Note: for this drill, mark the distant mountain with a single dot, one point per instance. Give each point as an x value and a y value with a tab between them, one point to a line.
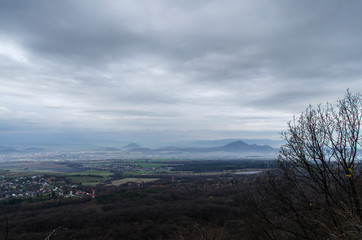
223	142
231	150
132	146
236	147
240	146
261	142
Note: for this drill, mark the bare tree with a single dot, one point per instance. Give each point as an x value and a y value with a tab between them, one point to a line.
316	191
54	230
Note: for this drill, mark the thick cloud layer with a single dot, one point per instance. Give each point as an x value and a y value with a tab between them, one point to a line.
197	69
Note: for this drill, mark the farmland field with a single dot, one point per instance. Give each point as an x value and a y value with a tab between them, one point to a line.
132	180
89	177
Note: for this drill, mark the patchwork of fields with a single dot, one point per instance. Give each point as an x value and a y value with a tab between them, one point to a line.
118	172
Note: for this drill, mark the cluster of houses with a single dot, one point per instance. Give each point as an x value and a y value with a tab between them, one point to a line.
43	187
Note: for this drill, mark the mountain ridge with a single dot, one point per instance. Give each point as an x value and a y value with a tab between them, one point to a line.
233	147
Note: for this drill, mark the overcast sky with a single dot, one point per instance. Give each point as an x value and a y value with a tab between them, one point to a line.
158	71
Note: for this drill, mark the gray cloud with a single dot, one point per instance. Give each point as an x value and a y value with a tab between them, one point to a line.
165	66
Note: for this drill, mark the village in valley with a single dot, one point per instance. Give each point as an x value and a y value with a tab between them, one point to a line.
40	187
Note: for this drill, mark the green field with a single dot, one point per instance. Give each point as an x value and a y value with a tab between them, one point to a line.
91	172
15	172
89	177
147	165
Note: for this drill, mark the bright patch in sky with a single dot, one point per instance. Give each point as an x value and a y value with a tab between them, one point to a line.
160	71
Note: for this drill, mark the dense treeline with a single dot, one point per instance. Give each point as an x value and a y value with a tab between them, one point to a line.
184	209
190	207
